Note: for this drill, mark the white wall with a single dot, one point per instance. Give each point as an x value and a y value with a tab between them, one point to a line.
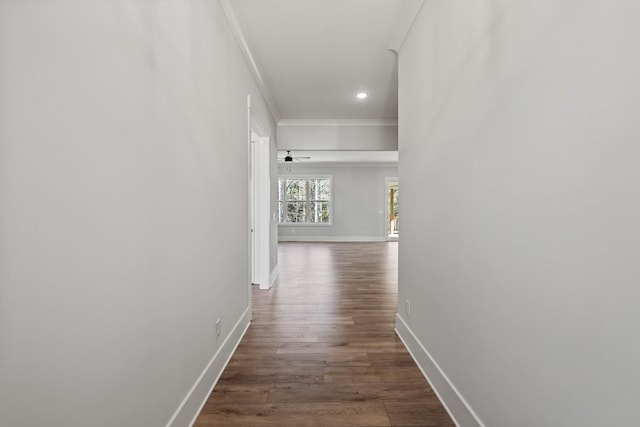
520	169
359	199
370	135
123	126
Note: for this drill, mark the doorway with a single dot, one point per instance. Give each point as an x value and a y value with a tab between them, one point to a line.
259	214
392	222
259	204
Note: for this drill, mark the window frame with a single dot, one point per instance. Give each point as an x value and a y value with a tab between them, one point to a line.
308	201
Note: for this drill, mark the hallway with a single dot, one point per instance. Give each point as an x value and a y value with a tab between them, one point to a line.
321	349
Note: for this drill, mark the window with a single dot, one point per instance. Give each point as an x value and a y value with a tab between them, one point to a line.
304	200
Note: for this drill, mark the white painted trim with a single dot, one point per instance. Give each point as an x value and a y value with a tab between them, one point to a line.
264	220
254	66
338	122
295	238
311	163
407	17
250	200
259	202
198	394
305	224
293	175
458	408
275	275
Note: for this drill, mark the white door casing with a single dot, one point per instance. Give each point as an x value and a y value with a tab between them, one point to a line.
259	209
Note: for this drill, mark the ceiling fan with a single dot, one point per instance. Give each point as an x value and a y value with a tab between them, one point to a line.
289	158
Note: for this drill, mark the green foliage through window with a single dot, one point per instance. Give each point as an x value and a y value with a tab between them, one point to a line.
304	200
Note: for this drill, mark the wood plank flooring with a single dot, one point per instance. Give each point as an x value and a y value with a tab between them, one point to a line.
321	349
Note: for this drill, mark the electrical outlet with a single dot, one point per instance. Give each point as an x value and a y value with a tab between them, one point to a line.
218	328
407	307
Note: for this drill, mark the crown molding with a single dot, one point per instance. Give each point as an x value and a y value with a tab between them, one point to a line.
405	22
254	66
338	122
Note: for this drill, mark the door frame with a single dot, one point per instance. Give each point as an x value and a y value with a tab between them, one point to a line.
388	181
259	204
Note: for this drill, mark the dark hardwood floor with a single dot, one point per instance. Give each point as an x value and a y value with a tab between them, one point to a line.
321	349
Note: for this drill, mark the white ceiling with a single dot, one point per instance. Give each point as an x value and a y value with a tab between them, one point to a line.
314	55
341	156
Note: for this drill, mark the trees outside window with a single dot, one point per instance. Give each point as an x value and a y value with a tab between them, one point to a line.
304	200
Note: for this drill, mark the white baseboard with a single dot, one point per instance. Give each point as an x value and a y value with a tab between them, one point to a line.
294	238
195	399
275	274
455	404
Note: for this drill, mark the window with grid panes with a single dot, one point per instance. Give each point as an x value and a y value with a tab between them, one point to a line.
304	200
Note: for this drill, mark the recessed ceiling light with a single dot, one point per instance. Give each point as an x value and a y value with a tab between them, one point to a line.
361	95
